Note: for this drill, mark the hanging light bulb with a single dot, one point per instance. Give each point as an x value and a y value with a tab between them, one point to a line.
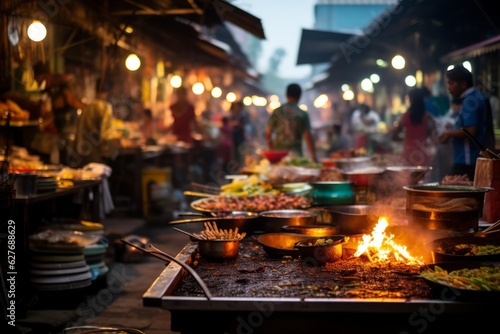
216	92
176	81
132	63
37	31
198	88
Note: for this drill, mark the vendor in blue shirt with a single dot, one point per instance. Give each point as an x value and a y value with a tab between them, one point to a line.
475	116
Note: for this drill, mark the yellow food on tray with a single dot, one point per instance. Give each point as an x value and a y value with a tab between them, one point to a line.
246	187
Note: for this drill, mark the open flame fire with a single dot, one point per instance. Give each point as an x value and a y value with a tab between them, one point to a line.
379	247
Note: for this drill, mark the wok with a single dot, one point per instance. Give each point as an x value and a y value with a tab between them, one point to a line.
277	245
454	249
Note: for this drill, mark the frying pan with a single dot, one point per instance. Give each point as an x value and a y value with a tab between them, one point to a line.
247	222
444	250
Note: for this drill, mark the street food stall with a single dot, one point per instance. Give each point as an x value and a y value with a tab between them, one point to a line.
385	279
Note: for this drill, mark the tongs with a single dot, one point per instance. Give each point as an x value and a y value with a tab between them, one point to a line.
486	152
165	257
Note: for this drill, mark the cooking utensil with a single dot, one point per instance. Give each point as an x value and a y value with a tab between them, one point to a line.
277	245
219	249
493	228
321	250
246	222
274	220
166	257
187	233
462	248
440	207
333	193
205	188
198	194
353	219
485	152
312	230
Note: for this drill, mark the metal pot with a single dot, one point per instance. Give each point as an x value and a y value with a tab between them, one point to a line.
353	219
322	250
444	207
333	193
219	249
274	220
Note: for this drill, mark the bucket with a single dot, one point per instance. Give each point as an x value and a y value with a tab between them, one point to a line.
25	184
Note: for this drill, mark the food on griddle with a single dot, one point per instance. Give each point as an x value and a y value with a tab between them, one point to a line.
451	205
212	232
256	203
482	278
470	250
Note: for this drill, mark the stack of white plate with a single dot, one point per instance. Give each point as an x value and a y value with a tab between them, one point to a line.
60	267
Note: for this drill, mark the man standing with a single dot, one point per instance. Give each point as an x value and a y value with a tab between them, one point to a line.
289	127
474	116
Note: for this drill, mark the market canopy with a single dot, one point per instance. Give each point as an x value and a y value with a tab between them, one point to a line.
318	46
422	31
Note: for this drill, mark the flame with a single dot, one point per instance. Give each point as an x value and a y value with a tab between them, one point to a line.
379	246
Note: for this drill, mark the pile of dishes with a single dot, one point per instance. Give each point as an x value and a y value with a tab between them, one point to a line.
45	183
59	259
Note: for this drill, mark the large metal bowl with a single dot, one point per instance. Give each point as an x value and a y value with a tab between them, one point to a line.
353	219
321	250
312	230
437	207
274	220
277	245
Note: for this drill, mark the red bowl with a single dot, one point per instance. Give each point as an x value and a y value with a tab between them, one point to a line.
274	156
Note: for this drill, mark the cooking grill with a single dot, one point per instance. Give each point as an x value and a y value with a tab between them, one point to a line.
256	275
352	296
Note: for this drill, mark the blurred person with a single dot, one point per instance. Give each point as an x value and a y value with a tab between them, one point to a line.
60	117
418	127
226	142
148	127
430	106
340	141
93	142
474	115
443	159
289	127
240	121
364	124
184	116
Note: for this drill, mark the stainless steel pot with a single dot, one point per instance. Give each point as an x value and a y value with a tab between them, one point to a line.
353	219
274	220
437	207
219	249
